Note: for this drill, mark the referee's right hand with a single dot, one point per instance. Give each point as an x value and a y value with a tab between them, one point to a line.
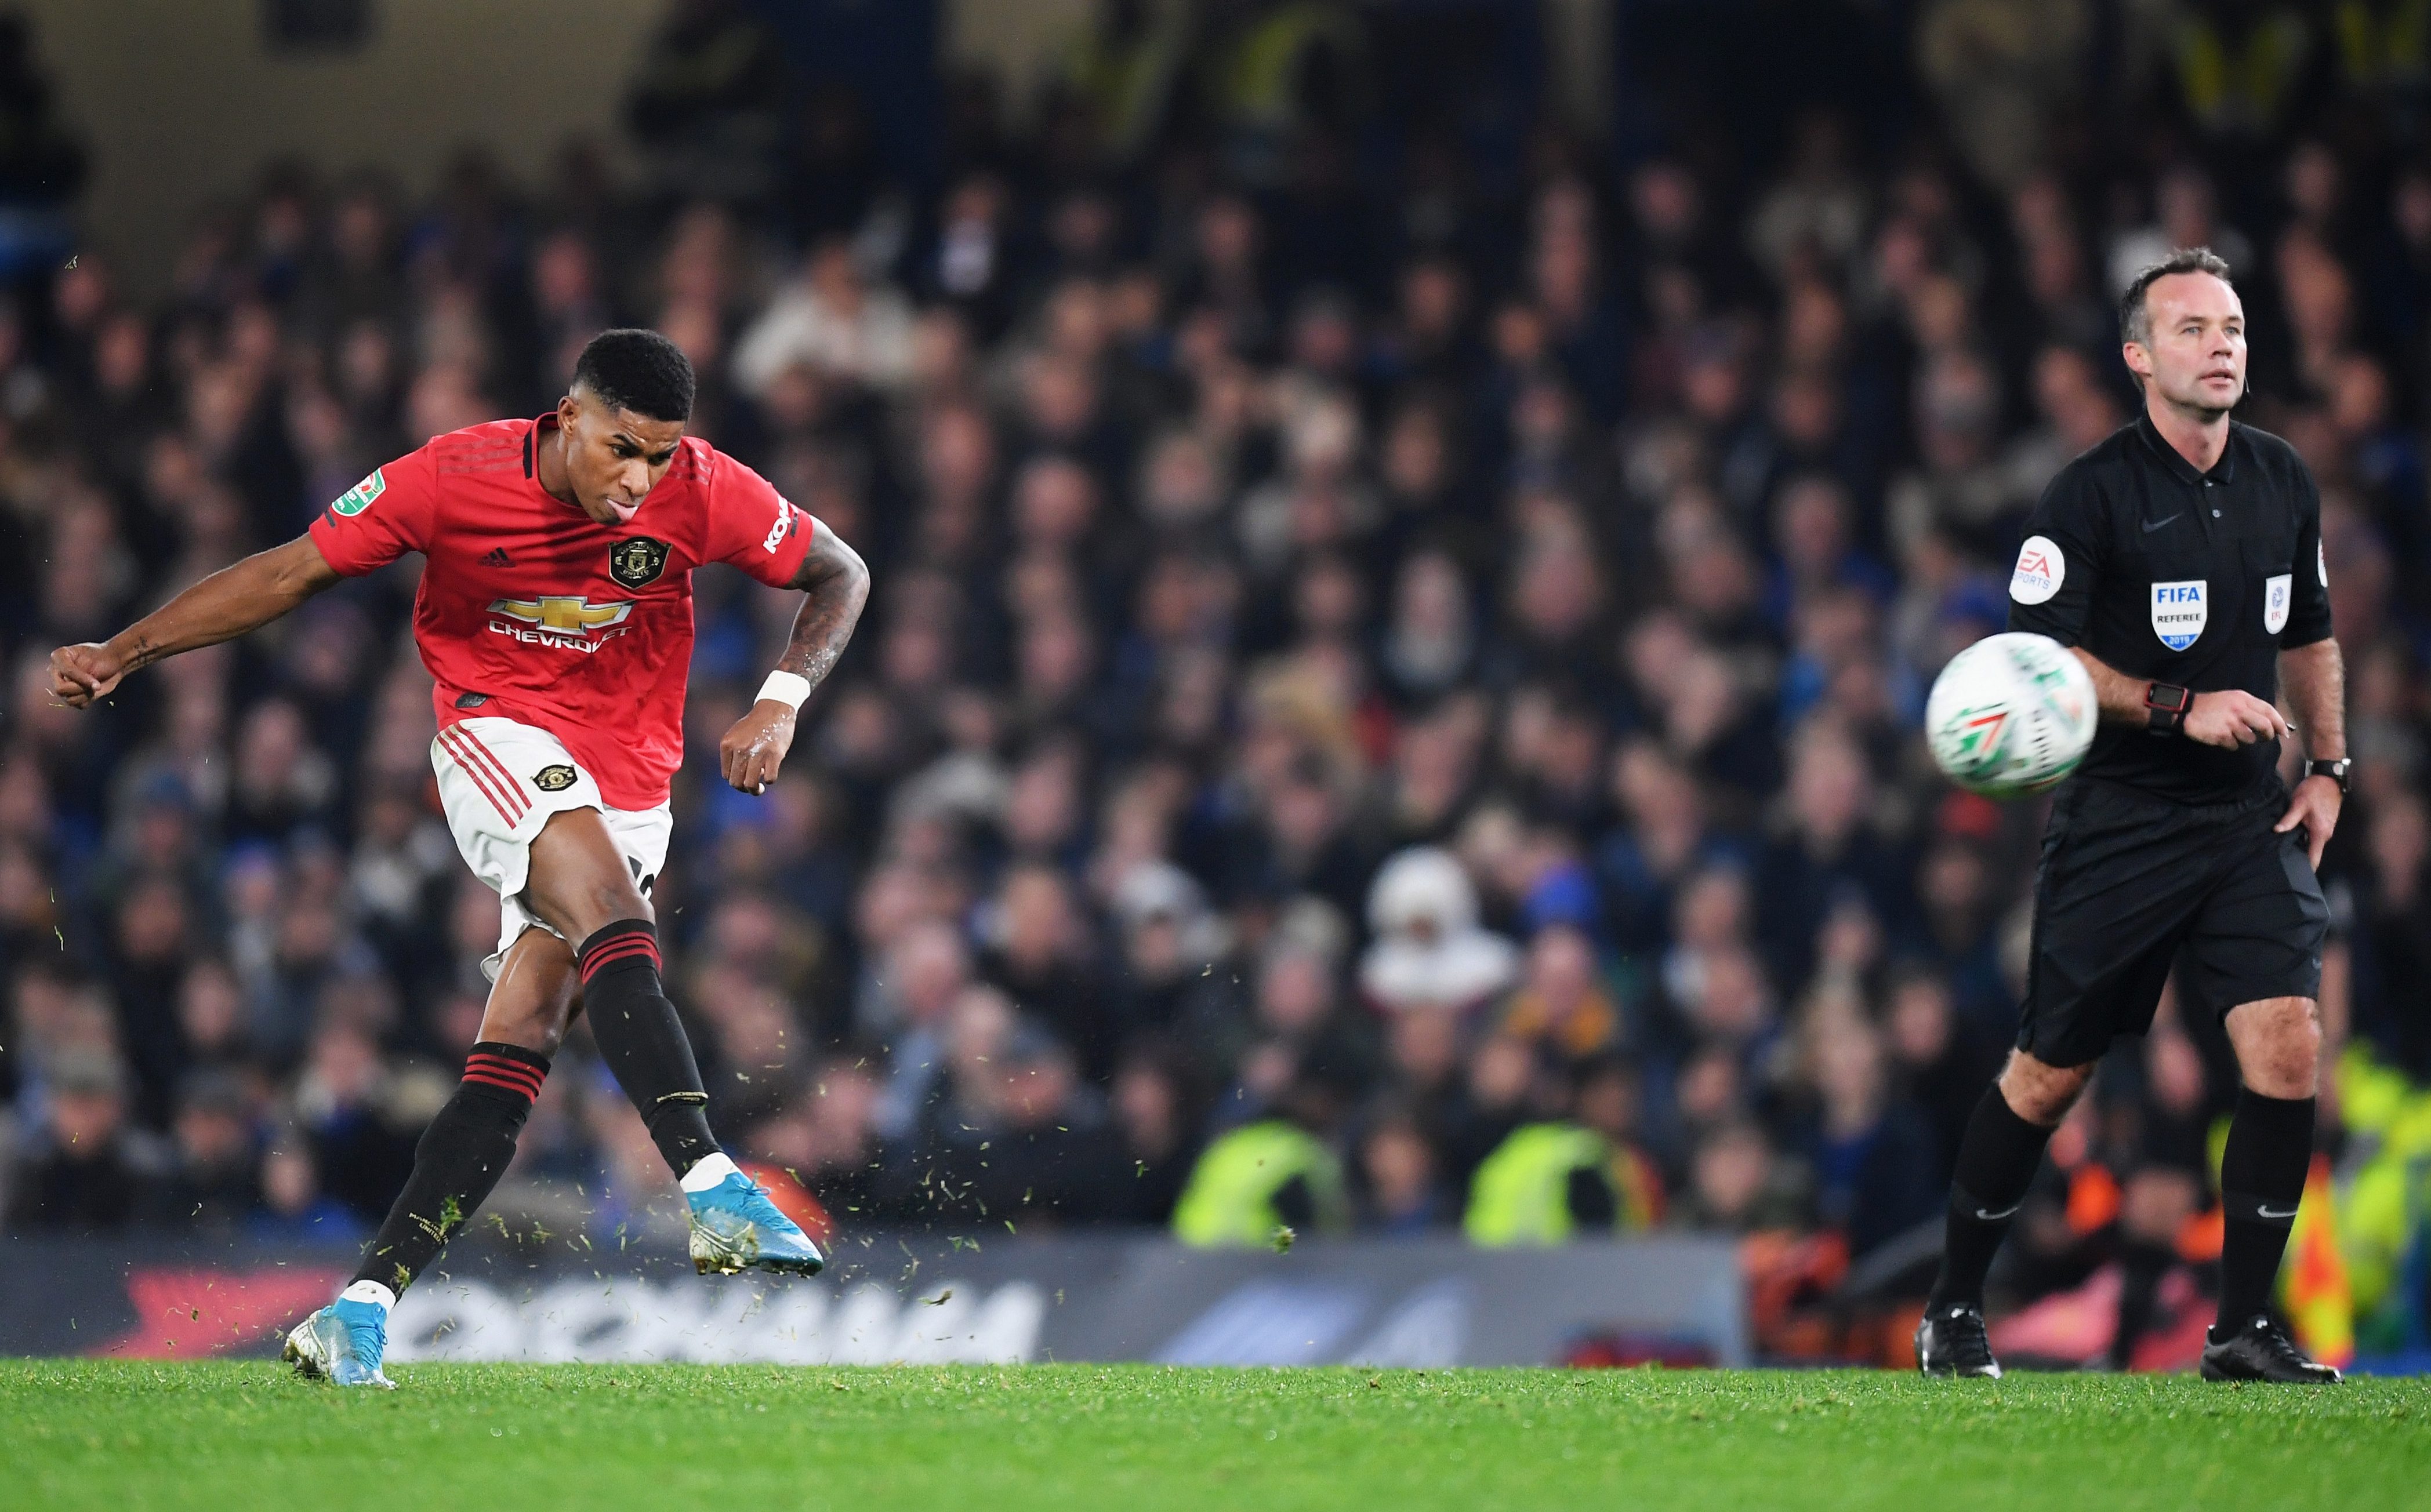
2233	717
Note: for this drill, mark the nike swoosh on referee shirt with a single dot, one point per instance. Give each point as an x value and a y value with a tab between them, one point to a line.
2010	1211
2151	525
2260	1211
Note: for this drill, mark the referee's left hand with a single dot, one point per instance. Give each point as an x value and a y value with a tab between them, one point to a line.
2315	806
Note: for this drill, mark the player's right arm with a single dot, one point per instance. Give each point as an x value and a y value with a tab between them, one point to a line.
222	606
389	513
2051	594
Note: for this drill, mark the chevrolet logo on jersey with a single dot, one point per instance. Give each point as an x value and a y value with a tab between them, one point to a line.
566	616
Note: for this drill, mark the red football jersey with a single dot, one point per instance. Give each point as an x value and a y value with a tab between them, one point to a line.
530	610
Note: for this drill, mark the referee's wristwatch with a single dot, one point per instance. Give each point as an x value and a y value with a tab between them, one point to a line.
2165	707
2336	770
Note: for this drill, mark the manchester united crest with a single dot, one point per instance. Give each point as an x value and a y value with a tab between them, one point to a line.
637	560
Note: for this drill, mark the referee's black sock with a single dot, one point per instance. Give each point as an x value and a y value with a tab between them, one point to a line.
2262	1180
1997	1159
460	1159
642	1041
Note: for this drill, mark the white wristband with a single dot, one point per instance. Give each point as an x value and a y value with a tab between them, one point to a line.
785	687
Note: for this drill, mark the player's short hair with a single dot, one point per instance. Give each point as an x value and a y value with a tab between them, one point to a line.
2135	316
637	370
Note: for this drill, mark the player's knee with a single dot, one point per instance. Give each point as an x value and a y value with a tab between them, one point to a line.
610	900
538	1031
534	997
580	881
540	1023
580	901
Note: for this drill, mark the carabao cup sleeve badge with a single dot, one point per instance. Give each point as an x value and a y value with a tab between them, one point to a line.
360	497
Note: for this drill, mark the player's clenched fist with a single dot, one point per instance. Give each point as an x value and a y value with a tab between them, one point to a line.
756	746
2233	717
81	674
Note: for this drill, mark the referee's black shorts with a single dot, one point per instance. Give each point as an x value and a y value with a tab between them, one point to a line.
2130	885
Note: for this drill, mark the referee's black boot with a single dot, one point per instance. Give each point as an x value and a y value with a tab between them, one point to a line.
1953	1341
2261	1350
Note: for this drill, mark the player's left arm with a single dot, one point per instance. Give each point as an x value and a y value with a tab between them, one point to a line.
2314	679
837	582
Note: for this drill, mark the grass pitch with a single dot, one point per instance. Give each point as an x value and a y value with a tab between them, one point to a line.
247	1435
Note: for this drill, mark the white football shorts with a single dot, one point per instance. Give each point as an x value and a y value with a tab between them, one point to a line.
499	781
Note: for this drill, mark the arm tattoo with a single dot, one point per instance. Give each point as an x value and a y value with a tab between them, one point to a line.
838	584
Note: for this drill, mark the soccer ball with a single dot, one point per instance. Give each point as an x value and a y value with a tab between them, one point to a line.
2011	714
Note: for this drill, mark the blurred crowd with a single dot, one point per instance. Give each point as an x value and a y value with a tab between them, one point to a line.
1365	641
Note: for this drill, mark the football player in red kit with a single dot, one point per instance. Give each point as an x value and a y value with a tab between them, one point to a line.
555	615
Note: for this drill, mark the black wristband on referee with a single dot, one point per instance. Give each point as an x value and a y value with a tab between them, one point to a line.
2165	707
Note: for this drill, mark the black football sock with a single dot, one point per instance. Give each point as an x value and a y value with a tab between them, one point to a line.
460	1159
642	1041
1997	1159
2262	1180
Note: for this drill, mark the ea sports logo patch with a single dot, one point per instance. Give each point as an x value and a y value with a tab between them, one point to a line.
359	498
637	560
554	779
2179	612
2041	569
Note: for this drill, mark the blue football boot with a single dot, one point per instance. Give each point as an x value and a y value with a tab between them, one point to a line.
343	1343
735	1227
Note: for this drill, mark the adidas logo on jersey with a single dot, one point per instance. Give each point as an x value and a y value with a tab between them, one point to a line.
496	556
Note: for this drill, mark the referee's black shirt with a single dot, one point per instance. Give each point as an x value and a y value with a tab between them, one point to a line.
2197	578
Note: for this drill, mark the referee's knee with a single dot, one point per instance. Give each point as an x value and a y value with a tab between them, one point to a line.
2278	1043
2040	1092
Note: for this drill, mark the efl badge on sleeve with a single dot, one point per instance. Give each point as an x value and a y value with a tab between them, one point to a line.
2179	611
2275	595
637	560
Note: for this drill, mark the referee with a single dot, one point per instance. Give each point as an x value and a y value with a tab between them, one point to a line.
2181	559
